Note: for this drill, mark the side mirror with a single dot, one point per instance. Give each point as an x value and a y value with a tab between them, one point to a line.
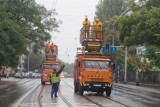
40	66
78	64
113	65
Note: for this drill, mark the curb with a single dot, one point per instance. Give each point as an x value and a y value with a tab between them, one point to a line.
140	87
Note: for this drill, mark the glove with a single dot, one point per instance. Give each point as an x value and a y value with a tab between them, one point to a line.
62	67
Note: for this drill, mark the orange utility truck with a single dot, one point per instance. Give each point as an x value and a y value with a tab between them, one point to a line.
49	64
92	70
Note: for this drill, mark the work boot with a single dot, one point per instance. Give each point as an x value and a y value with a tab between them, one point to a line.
51	95
56	96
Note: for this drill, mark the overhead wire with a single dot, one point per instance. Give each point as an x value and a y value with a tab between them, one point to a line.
54	8
54	4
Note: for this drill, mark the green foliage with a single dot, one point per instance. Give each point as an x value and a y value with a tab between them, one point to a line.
35	61
139	65
153	54
106	9
23	23
140	28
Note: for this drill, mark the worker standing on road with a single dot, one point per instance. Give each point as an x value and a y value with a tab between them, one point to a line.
55	79
86	23
98	29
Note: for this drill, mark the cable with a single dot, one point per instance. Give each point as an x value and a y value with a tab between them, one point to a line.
54	4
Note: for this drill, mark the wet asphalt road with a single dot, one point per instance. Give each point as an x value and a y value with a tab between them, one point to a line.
10	95
136	98
124	96
120	97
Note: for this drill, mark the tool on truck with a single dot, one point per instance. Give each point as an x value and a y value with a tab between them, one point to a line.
50	63
92	70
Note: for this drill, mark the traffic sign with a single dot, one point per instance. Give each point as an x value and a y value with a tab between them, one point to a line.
113	49
103	49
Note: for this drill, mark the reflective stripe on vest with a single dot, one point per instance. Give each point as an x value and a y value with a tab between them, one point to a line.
54	78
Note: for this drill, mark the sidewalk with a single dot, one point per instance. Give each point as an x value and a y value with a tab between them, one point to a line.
145	87
6	82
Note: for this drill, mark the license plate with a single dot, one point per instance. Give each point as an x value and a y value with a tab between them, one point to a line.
97	85
45	75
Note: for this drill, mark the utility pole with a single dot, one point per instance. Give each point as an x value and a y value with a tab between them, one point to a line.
125	65
125	62
28	63
113	39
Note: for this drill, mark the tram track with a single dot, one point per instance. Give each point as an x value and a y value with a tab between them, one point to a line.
84	96
65	100
60	96
39	96
97	103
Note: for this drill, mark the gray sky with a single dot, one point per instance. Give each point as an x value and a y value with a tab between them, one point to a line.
72	13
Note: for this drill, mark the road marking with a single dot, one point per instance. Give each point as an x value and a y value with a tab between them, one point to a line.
18	103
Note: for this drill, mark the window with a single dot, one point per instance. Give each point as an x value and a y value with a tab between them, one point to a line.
50	66
96	64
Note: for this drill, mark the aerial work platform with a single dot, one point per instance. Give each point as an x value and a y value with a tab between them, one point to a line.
91	39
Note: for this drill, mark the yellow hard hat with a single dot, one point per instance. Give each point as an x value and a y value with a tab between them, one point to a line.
97	19
86	18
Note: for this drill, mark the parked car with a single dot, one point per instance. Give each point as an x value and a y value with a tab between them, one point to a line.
37	75
19	75
29	74
3	74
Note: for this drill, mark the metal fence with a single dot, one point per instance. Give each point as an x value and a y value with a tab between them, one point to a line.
152	77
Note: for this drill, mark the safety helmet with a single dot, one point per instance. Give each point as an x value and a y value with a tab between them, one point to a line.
86	18
97	20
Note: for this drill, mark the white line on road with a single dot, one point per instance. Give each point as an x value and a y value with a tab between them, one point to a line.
23	97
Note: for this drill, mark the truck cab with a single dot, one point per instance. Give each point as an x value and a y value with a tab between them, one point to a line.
47	69
92	73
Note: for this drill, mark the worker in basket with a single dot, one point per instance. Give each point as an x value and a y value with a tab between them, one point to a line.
86	23
48	47
52	47
97	29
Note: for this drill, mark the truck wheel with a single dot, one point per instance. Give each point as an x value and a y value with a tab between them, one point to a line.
108	91
43	83
75	87
81	90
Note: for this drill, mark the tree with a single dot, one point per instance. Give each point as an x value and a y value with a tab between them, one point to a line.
35	61
23	24
140	28
153	54
107	11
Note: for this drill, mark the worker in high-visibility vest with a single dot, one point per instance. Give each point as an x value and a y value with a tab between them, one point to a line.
98	29
55	79
86	23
